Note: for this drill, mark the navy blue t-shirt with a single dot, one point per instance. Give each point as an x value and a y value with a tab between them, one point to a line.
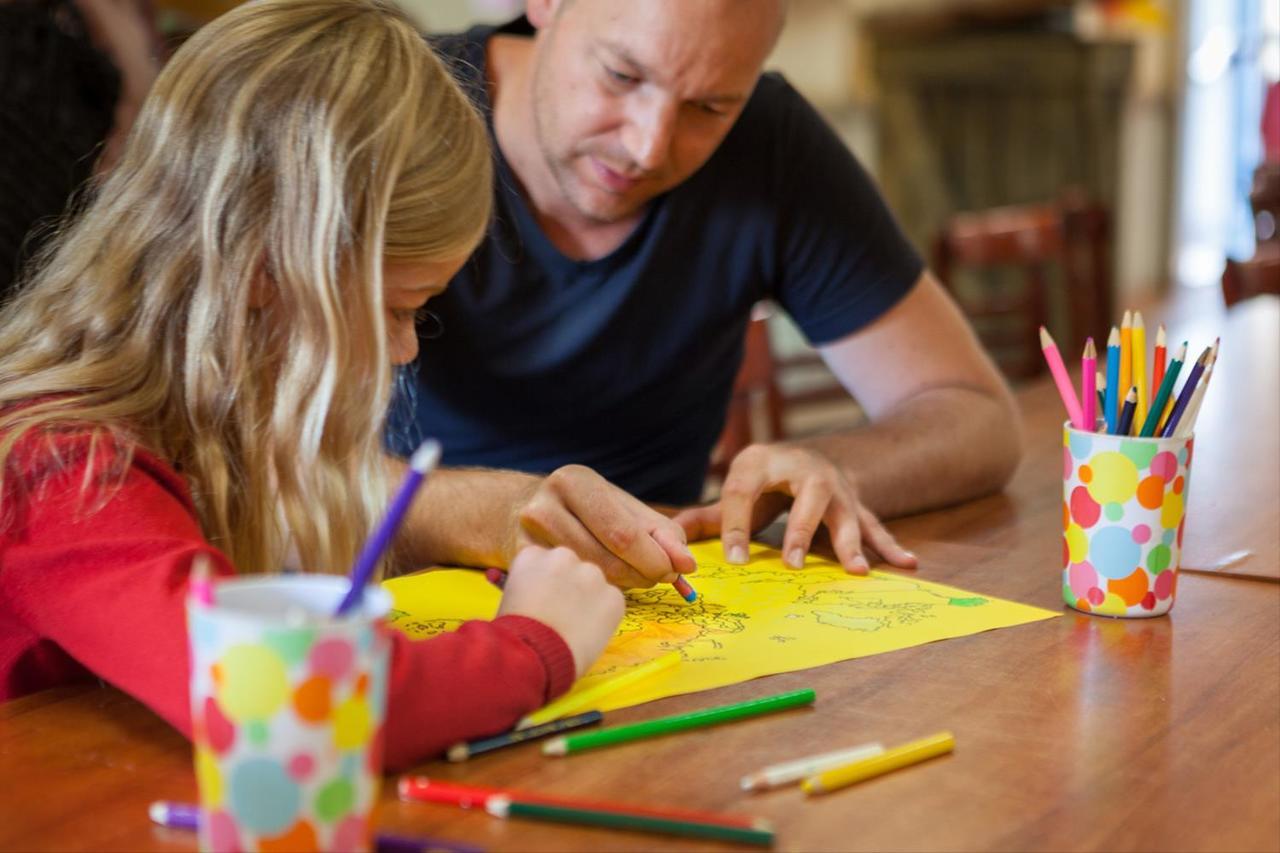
626	363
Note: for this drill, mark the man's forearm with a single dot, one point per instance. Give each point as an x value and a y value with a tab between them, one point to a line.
938	448
463	517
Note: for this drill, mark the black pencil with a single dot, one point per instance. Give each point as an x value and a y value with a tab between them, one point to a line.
1125	423
463	751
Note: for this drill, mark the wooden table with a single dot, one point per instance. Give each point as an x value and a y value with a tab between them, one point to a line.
1079	732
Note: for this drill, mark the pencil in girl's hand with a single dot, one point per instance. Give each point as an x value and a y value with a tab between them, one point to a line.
421	464
1059	372
1089	385
1139	336
1111	411
1184	396
1125	424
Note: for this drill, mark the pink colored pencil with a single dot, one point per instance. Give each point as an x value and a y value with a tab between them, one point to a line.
1089	383
1060	378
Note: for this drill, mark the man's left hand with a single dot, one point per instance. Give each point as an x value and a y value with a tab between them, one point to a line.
763	479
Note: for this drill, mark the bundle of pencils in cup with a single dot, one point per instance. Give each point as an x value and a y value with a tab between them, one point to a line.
1136	396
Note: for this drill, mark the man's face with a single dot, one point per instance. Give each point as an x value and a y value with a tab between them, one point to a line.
631	98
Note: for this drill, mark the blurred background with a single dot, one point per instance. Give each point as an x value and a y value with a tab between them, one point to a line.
1057	161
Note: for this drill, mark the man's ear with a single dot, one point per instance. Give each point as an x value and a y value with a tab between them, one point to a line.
541	12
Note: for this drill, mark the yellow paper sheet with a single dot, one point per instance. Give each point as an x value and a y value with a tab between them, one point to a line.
749	621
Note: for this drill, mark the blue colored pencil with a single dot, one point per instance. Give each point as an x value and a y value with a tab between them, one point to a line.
1126	412
1111	410
422	462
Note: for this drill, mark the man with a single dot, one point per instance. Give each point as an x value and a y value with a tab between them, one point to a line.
652	186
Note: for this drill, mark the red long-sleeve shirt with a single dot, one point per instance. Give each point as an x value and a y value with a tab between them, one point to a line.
97	588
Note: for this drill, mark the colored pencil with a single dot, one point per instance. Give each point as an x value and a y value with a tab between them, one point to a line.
891	759
1089	385
187	816
1102	394
1138	335
1125	424
1162	396
1112	409
463	751
761	834
1126	350
424	459
590	698
1158	360
422	789
680	722
1184	396
1188	425
776	775
200	586
686	591
1059	372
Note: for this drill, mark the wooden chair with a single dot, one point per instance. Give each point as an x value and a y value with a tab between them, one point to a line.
755	409
1071	236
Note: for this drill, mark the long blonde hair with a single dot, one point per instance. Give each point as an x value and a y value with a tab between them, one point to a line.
219	301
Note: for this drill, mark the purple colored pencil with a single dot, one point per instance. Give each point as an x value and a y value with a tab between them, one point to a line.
187	816
1184	396
424	459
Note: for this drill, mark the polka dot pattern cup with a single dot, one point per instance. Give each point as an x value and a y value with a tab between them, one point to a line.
287	705
1123	511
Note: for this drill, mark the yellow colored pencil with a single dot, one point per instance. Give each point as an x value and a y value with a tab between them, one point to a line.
589	699
1126	354
1138	336
889	760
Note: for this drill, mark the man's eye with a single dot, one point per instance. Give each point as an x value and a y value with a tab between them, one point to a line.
619	77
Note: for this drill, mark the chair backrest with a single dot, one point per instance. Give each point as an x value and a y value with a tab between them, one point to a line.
1071	235
755	409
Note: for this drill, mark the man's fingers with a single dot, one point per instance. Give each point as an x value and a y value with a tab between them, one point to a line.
615	519
545	522
699	522
806	515
738	496
677	551
878	537
846	539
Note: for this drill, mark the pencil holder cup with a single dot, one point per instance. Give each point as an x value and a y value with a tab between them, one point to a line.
287	704
1123	509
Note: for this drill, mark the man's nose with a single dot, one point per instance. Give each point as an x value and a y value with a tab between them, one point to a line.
650	131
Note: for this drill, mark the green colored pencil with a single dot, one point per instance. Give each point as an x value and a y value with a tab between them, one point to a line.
761	833
1162	395
678	723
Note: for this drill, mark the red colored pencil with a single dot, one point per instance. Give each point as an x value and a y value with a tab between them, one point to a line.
1157	362
477	796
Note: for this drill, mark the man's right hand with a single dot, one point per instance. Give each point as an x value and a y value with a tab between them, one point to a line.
575	507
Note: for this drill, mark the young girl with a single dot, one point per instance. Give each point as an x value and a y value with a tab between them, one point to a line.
202	363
